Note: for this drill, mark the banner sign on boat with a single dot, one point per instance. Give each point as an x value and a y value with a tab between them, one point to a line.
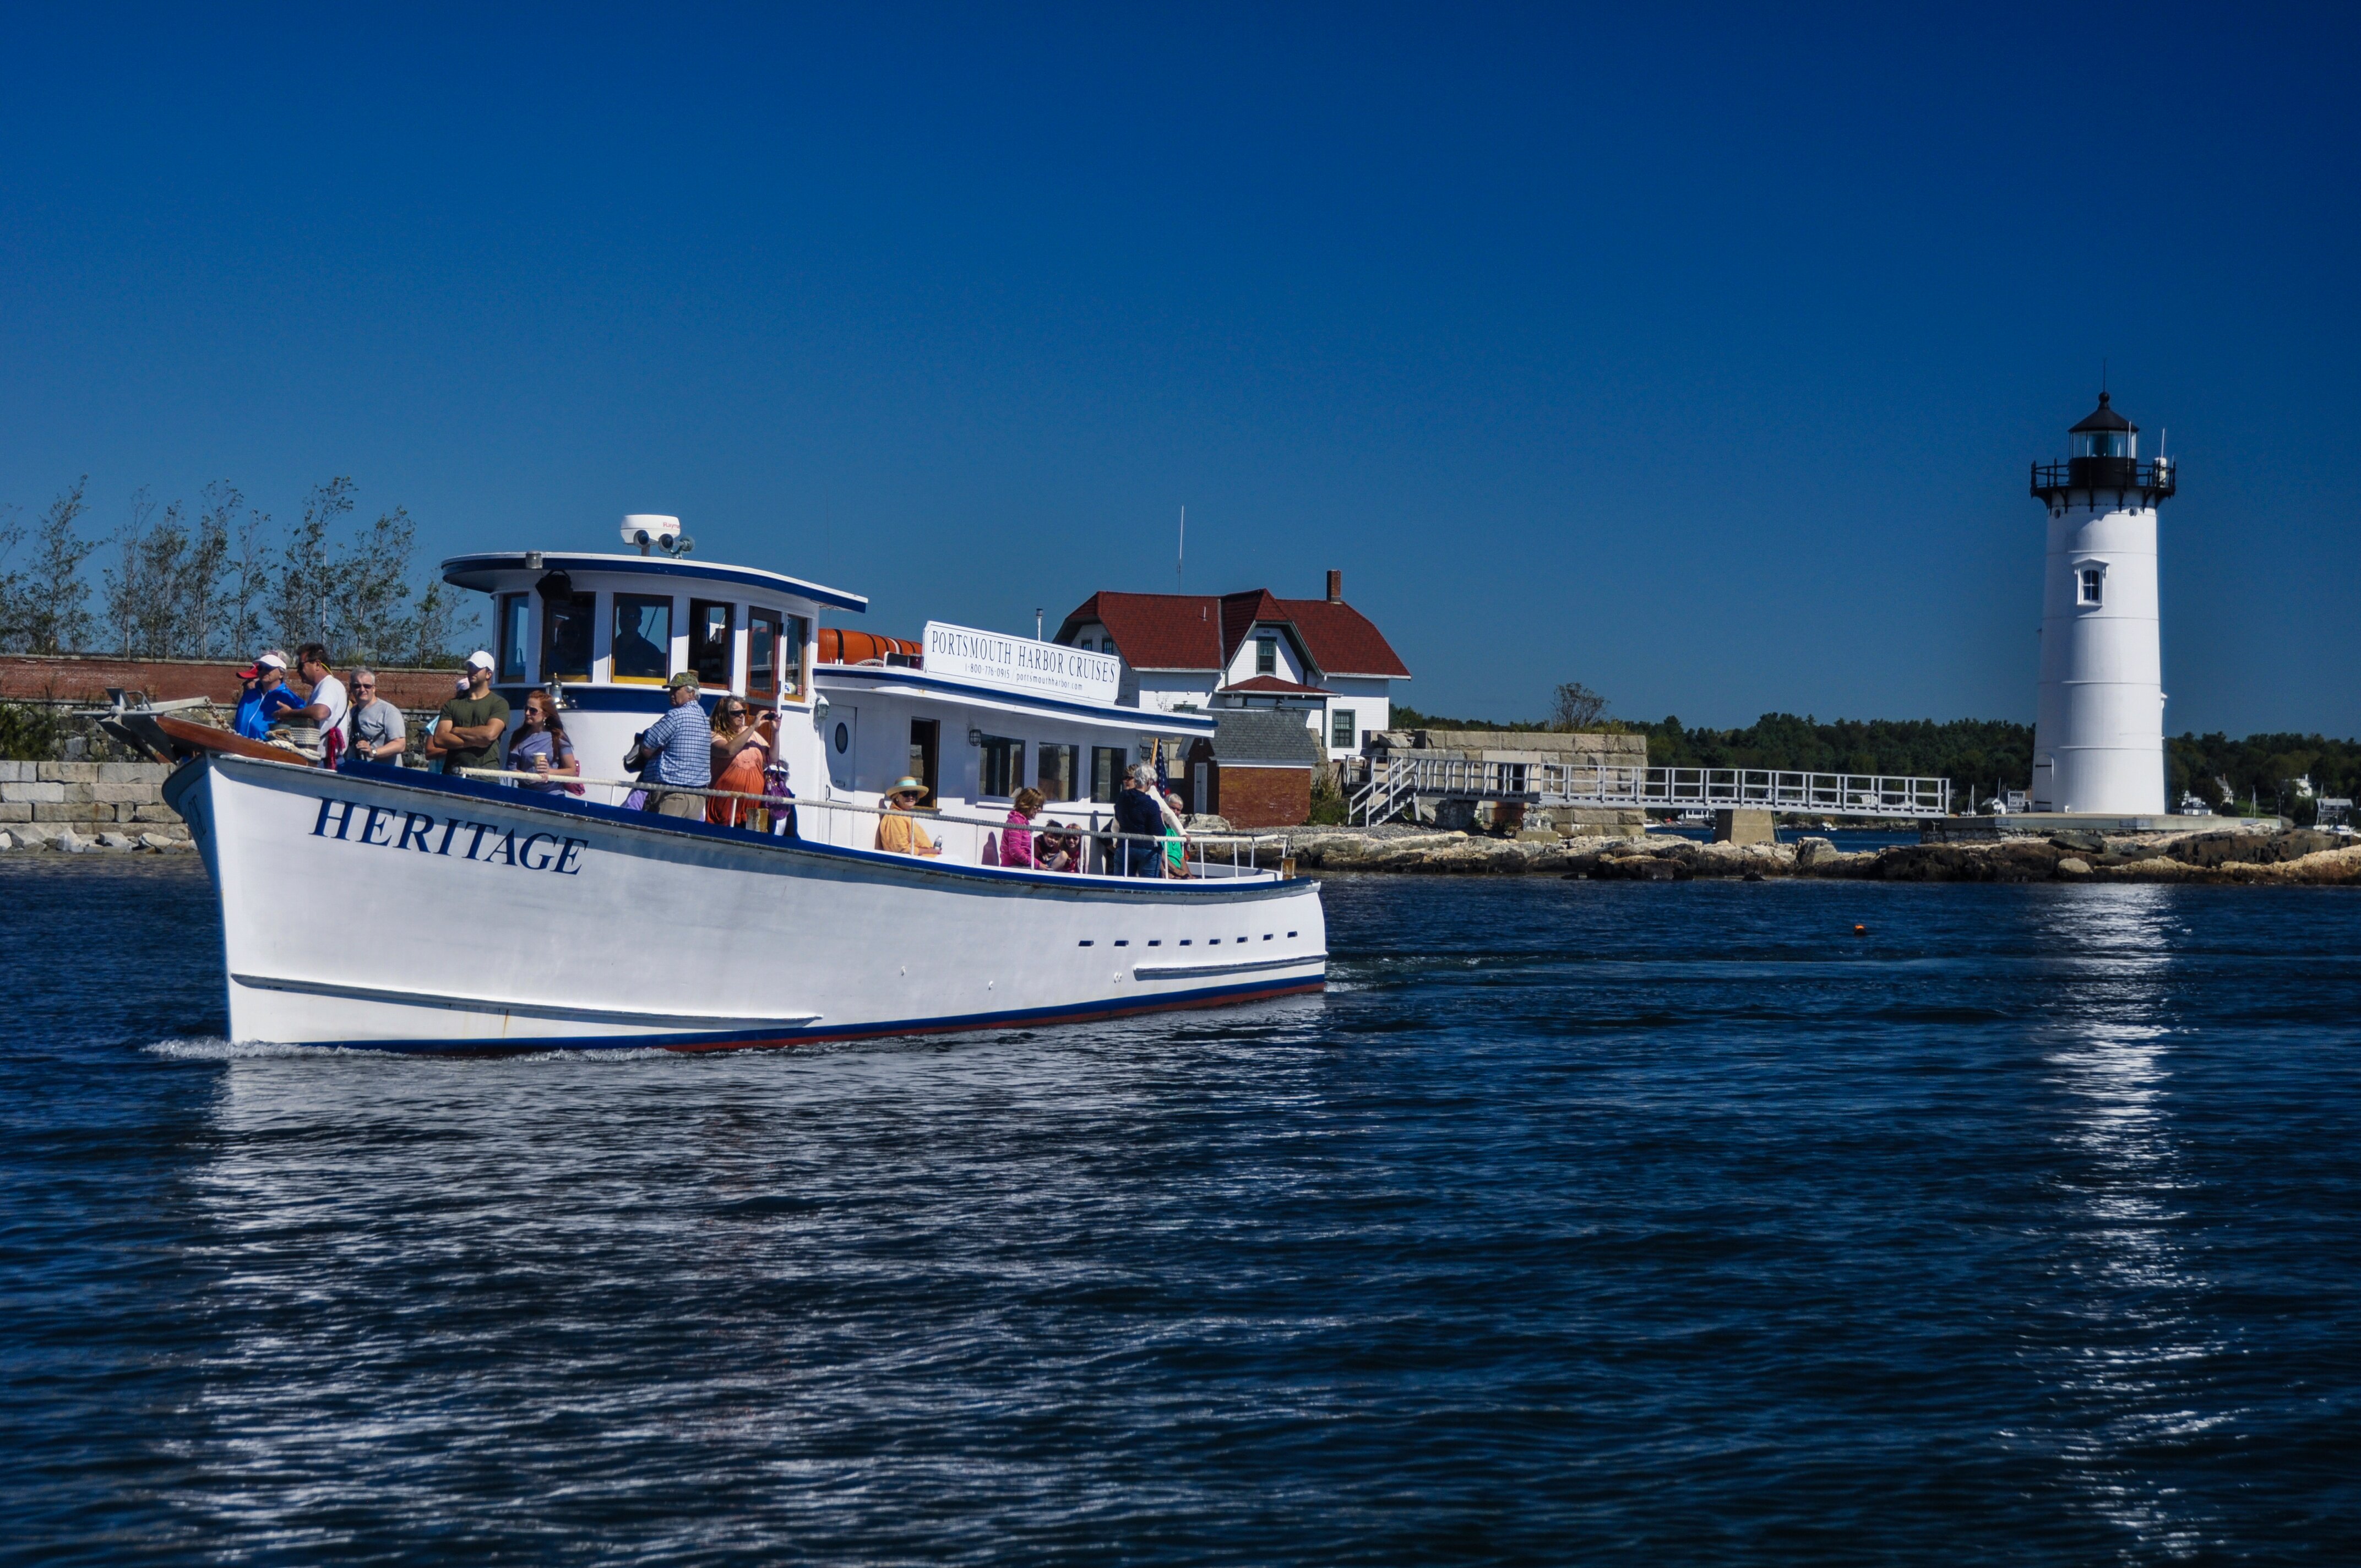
1021	664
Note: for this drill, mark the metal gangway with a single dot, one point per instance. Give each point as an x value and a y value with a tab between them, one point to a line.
1398	782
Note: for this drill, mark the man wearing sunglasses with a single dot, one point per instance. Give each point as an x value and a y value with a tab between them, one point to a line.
380	733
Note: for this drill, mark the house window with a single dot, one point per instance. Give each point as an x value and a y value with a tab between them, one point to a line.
1341	735
1055	775
1266	655
2094	579
1106	772
643	647
565	636
1003	767
762	654
516	619
709	625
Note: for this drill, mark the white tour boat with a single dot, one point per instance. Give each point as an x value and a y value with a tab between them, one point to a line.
394	908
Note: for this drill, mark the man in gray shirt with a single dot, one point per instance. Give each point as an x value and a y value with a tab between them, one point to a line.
380	733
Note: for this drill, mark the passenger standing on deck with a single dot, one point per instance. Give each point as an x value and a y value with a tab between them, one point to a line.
468	732
1137	812
541	747
1176	839
266	696
897	832
327	706
378	732
740	751
1016	839
682	743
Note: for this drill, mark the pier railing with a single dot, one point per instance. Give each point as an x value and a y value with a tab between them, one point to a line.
1395	783
1090	835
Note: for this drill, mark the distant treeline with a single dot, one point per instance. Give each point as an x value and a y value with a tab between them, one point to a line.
1977	755
219	580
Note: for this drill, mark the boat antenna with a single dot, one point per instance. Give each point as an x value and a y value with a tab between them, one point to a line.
1182	554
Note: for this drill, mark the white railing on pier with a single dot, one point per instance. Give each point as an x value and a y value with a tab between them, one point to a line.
1397	782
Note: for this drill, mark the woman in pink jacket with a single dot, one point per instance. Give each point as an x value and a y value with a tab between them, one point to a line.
1016	838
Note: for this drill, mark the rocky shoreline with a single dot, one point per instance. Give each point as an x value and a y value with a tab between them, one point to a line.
2298	857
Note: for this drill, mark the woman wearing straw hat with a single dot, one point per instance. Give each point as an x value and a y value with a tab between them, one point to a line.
898	833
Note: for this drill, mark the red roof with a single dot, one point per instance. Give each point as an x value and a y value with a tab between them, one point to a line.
1198	631
1271	685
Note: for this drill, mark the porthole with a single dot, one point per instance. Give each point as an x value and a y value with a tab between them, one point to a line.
844	739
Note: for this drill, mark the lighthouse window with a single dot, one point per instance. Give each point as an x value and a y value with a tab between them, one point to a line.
2094	582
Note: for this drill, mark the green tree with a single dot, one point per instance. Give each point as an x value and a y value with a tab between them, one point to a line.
43	608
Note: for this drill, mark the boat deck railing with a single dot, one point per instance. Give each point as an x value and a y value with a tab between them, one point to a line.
962	840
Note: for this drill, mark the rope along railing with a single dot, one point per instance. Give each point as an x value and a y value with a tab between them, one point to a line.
1246	852
1392	784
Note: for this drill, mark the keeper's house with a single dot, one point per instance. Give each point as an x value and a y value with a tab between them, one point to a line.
1318	659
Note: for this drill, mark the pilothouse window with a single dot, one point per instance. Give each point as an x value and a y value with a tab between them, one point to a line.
709	641
643	647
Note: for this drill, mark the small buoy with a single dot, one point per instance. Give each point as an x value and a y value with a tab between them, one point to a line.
1860	930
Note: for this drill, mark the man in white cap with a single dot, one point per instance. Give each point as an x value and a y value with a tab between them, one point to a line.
468	732
266	696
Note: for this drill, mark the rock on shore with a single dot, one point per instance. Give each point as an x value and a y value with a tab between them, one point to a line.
2300	857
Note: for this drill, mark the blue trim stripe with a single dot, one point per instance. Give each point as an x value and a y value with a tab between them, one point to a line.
759	1039
470	572
565	804
1146	718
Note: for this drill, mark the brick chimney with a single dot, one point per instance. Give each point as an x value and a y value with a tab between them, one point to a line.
1335	586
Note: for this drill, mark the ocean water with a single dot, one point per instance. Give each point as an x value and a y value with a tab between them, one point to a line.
1580	1221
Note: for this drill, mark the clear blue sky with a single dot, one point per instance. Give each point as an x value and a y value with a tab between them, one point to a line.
1697	354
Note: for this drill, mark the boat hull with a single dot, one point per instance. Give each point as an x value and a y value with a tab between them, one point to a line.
395	910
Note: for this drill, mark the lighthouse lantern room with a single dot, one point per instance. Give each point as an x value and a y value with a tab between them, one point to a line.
2097	743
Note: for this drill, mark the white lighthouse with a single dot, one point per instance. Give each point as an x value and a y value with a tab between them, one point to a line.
2098	738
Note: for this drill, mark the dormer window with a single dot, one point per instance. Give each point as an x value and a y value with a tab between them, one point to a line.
2094	584
1266	655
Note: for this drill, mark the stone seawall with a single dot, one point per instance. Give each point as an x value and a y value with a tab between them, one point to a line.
87	805
2297	857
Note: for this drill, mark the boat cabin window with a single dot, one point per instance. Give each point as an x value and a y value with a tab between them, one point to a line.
1055	775
515	620
1106	772
642	648
1003	767
710	624
762	654
926	754
794	633
565	637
